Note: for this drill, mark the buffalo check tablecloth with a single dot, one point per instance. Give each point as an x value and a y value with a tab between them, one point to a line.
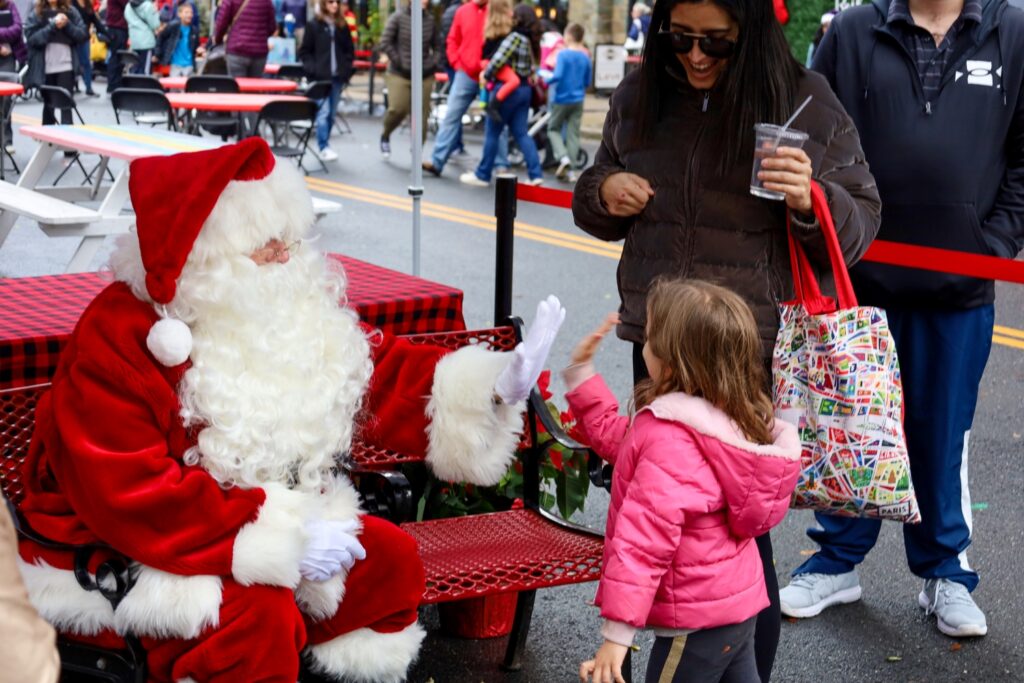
37	314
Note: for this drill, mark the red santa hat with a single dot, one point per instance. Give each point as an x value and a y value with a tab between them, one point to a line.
173	196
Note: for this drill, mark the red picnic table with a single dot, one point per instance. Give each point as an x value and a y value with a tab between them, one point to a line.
234	102
6	90
245	85
39	313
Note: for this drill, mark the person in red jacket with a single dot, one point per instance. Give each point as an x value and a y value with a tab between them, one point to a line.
194	423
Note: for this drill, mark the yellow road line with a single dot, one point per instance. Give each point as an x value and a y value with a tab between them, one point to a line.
545	236
1008	341
1009	332
614	249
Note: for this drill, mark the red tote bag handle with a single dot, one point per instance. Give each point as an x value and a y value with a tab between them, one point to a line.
805	284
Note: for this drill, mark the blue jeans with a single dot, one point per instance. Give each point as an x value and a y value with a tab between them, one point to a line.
515	111
85	62
463	92
325	114
457	146
942	358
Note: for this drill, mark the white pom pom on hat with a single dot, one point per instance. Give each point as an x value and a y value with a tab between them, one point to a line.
168	229
170	341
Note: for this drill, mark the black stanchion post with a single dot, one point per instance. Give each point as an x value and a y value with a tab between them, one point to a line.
505	212
373	72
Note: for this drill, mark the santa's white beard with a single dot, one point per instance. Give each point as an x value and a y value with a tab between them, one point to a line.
278	369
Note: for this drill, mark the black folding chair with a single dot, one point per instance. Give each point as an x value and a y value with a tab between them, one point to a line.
129	60
141	102
281	115
217	123
6	109
59	99
141	82
291	72
316	92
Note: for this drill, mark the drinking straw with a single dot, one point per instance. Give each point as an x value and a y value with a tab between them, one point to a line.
790	120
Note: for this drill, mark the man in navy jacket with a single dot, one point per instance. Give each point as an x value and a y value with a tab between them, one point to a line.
935	89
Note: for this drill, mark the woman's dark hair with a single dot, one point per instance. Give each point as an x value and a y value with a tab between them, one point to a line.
42	5
759	84
528	24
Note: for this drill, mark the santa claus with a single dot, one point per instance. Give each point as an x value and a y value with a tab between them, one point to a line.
195	421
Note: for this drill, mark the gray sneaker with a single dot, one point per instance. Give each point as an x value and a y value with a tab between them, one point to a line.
955	610
808	594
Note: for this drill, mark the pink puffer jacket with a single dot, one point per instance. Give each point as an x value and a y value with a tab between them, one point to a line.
689	494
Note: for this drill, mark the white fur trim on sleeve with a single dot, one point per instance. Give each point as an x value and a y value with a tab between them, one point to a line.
269	550
320	599
366	656
471	439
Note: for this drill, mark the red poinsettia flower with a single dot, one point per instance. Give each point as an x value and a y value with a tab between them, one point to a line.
543	382
556	459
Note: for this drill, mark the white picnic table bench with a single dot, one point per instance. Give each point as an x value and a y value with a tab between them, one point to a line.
56	209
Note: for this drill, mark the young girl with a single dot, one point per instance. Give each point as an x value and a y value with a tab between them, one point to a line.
700	470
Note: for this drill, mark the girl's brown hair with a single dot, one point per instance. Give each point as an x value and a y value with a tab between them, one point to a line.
499	19
707	340
62	6
338	19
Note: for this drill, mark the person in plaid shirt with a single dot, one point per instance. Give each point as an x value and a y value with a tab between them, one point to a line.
194	423
517	50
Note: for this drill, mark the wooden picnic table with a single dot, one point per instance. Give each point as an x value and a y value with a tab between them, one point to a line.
39	313
245	85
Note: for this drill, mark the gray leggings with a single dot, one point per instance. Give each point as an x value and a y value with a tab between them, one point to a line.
714	655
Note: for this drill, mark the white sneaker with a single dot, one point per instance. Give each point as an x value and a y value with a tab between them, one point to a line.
955	610
563	166
327	154
534	181
469	178
808	594
9	148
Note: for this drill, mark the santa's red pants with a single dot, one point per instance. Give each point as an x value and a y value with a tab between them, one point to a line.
262	632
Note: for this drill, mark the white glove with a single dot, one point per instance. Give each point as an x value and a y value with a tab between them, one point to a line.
530	355
331	548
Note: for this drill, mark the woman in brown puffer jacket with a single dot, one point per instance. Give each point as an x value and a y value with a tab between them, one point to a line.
672	178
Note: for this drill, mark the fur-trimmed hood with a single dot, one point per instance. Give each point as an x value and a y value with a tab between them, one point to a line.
743	469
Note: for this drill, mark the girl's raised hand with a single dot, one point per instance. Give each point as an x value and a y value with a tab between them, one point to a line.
585	350
606	666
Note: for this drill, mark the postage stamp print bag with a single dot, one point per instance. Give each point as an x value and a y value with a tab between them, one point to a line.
837	378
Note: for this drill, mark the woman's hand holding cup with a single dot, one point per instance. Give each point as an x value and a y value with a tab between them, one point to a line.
625	194
789	171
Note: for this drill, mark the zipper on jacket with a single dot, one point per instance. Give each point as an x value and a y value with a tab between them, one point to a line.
928	108
704	106
690	203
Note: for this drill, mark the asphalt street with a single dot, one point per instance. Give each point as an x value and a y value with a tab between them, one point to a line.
883	638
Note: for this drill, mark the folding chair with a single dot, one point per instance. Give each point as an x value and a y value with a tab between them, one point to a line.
281	115
59	99
217	123
141	82
142	101
129	60
316	92
6	110
292	72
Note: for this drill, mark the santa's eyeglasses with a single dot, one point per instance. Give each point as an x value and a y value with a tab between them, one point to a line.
712	46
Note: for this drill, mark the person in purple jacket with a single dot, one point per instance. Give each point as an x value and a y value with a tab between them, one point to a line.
251	23
12	53
701	469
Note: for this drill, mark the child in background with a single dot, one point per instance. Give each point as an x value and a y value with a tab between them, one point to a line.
178	44
570	80
497	25
701	468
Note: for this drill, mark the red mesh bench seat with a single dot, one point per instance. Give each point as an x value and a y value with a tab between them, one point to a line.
468	557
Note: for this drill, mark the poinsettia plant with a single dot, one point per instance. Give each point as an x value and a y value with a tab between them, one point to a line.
564	480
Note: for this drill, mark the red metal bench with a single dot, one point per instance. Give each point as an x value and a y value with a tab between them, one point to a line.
518	550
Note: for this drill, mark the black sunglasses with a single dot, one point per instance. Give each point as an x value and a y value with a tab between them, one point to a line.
712	46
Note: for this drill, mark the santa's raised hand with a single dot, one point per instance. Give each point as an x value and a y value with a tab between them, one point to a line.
531	354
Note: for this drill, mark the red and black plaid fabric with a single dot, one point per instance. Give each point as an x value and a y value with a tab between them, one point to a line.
37	314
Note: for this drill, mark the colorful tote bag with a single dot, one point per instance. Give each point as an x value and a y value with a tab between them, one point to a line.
836	377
